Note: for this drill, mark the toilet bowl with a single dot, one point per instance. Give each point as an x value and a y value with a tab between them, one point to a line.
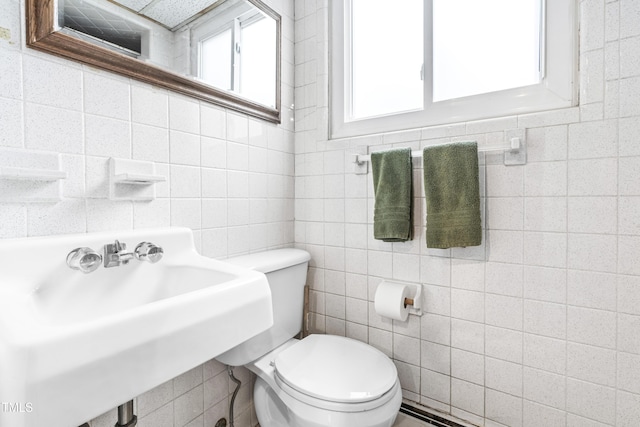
326	380
320	380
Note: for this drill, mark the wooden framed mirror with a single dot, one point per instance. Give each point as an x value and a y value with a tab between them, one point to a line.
193	64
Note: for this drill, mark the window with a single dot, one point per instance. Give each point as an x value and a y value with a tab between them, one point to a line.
386	66
428	62
215	59
236	52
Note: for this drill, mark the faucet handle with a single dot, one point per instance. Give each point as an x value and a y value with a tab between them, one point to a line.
146	251
119	247
84	259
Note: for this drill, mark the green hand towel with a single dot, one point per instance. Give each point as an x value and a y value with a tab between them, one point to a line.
392	191
452	191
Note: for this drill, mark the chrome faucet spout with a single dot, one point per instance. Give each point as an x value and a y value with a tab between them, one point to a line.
115	254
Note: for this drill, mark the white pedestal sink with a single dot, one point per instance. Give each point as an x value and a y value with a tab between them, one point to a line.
75	345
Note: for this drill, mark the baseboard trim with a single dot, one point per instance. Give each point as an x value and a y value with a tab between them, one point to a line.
427	417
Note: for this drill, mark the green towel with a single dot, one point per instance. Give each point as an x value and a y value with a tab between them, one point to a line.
453	195
392	192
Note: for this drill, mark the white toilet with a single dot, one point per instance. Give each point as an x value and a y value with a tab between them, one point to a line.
321	380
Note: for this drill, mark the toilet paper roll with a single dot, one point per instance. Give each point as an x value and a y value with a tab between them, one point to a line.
389	300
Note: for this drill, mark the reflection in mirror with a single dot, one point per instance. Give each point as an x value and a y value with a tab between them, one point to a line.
229	44
222	51
234	51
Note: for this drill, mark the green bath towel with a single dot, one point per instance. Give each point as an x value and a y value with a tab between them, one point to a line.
452	191
392	191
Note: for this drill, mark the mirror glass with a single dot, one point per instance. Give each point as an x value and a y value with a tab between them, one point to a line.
229	44
226	52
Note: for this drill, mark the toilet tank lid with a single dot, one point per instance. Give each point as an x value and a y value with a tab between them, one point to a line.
268	261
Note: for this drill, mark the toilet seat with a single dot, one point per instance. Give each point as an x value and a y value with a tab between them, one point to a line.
335	372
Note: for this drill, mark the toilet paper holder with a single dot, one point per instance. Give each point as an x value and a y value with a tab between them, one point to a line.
395	300
415	302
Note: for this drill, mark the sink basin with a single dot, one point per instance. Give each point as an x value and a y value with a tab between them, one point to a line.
75	345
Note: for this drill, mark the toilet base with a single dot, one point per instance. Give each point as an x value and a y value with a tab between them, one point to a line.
277	409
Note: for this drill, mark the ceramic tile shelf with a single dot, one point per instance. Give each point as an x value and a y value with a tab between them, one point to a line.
133	180
30	177
27	174
138	179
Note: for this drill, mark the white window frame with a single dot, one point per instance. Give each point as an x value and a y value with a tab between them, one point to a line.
558	88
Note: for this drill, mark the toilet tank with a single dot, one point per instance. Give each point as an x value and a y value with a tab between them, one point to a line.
286	271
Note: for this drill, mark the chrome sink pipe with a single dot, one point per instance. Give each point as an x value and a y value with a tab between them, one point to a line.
126	417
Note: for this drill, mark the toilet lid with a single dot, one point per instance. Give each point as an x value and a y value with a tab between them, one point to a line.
337	369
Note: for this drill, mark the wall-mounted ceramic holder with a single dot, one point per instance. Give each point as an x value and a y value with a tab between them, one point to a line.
516	153
29	177
132	180
360	167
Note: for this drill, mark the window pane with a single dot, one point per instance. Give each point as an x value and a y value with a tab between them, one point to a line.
387	57
484	46
215	60
258	61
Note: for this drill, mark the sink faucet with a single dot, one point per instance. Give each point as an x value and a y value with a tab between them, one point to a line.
115	254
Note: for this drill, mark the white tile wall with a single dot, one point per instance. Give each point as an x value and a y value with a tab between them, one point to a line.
536	327
229	177
539	326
